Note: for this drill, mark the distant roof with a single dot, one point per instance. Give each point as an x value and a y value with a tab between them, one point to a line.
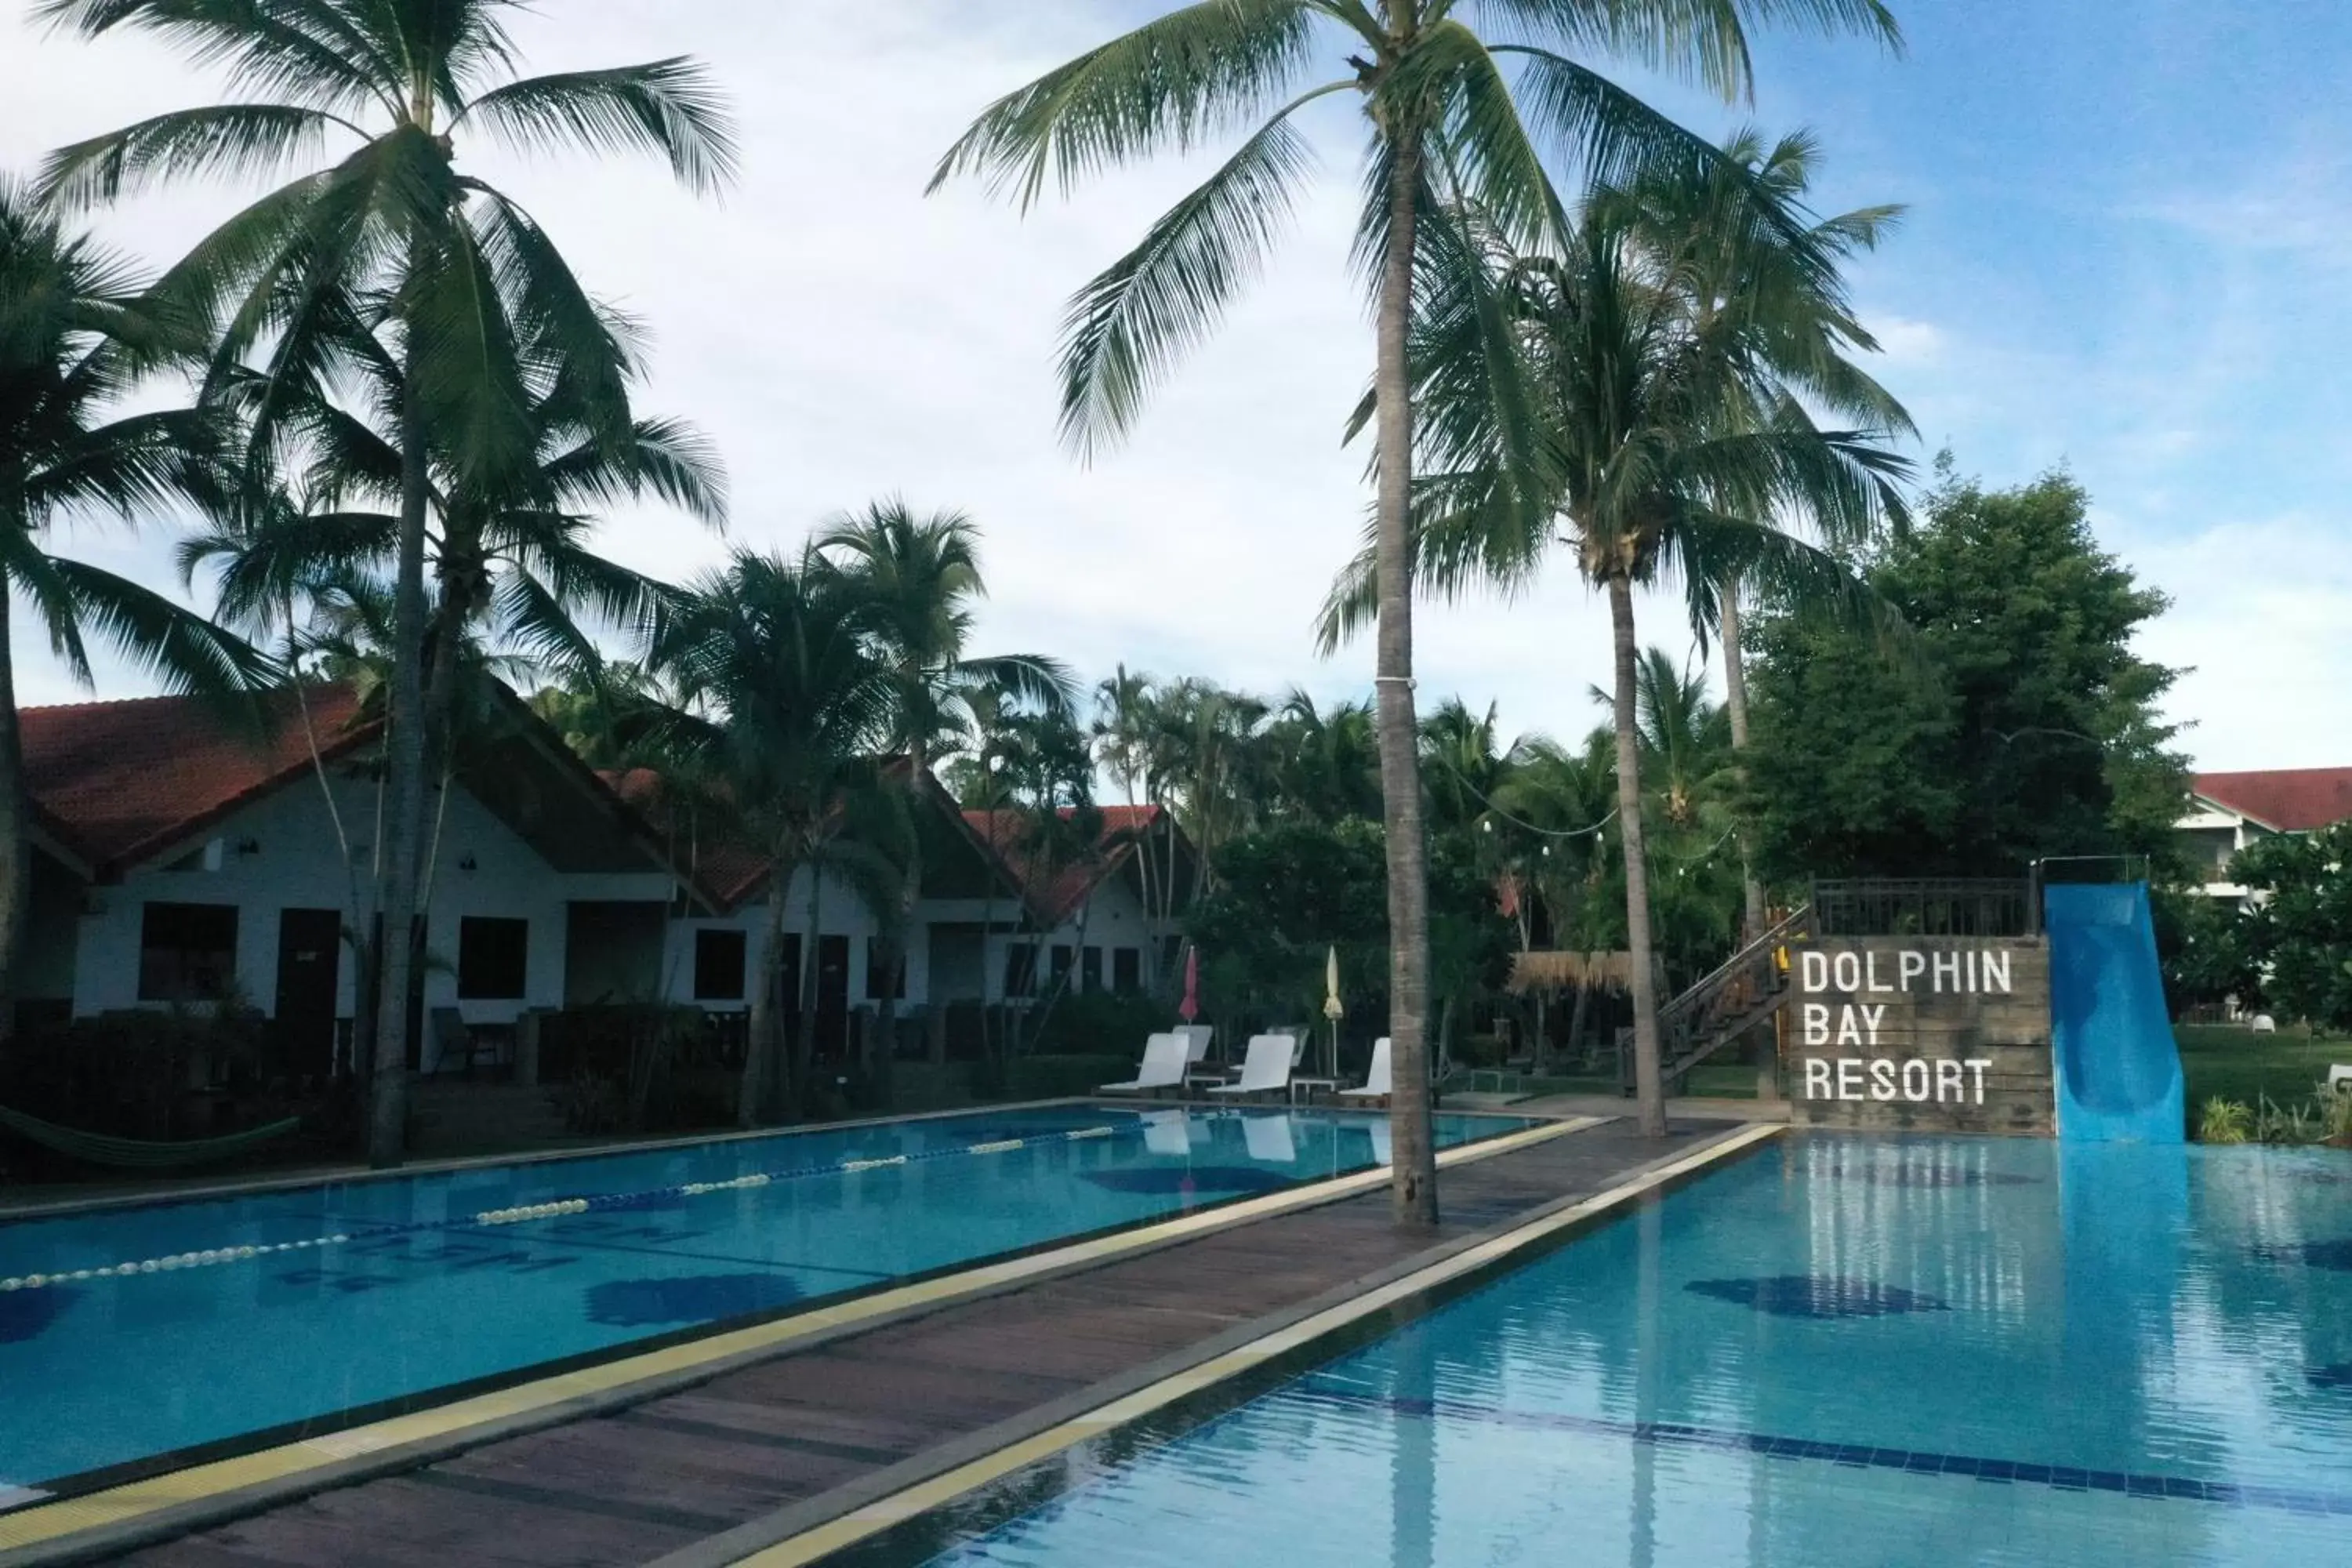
1055	898
2291	800
115	783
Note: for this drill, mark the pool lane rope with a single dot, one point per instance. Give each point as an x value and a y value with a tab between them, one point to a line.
554	1210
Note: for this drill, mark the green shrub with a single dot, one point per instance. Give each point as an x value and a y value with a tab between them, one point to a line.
1060	1077
1098	1023
2225	1122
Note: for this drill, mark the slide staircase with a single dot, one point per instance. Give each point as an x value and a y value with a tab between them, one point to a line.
1742	993
2118	1068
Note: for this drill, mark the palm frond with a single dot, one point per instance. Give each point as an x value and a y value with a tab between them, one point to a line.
670	108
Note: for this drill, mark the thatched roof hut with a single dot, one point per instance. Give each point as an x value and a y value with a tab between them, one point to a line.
1570	972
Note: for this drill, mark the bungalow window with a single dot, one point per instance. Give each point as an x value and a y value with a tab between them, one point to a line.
1062	959
492	958
1127	969
877	973
1090	970
187	952
718	965
1020	970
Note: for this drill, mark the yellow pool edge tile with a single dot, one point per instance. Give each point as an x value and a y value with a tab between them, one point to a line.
873	1519
52	1523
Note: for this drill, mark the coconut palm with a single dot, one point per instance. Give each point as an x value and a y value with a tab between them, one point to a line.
77	328
782	709
1448	106
1590	396
919	578
448	274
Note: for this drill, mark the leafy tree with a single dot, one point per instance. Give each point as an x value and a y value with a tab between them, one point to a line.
77	328
919	578
2019	723
2299	930
1586	396
451	279
782	709
1451	109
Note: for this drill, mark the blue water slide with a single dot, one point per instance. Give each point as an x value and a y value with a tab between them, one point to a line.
2118	1068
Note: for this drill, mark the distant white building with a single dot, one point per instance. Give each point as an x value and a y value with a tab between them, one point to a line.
2228	812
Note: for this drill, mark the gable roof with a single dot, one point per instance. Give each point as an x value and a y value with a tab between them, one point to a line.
734	867
2289	800
1052	899
116	783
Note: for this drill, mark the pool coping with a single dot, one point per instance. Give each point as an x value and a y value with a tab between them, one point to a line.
815	1529
98	1524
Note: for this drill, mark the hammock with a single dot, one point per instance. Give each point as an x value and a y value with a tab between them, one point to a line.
136	1154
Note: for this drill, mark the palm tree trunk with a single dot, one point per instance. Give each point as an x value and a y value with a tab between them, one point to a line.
1413	1181
800	1080
1735	702
405	766
1649	1092
15	844
760	1021
880	1064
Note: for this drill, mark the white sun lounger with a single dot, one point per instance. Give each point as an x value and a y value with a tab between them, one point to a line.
1196	1037
1163	1067
1268	1138
1378	1082
1266	1070
2339	1076
1168	1133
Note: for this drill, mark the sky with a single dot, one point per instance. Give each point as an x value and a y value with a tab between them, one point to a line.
2127	236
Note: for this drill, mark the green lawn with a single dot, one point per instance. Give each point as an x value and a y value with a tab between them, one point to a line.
2238	1064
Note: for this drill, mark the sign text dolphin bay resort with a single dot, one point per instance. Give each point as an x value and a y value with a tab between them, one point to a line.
1867	1057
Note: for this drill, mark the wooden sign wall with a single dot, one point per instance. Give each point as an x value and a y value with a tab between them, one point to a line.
1920	1034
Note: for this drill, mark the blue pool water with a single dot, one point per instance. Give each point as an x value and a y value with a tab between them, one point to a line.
243	1315
1836	1353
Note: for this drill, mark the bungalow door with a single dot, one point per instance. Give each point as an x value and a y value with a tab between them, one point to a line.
310	955
832	995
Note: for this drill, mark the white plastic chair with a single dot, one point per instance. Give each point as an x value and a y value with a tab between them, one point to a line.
1268	1138
1163	1067
1197	1037
1264	1070
2339	1078
1378	1082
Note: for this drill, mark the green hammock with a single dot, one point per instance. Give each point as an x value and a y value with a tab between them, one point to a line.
136	1154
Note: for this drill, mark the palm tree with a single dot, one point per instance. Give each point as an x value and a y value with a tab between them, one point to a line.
919	578
1583	394
447	273
76	328
782	707
1443	112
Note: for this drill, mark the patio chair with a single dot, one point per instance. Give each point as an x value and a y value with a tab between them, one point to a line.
1264	1070
1168	1133
1163	1067
1196	1041
1378	1084
2339	1078
456	1047
1268	1138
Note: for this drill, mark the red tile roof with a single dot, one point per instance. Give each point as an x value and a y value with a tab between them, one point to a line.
727	864
2291	800
1061	894
116	783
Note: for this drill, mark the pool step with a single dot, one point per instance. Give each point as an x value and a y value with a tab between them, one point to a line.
454	1117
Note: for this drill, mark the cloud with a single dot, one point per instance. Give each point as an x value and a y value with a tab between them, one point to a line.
843	337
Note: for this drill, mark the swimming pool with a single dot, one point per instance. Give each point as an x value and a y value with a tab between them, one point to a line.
1839	1351
127	1335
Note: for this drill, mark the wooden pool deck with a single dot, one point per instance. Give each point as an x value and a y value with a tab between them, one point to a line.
763	1452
